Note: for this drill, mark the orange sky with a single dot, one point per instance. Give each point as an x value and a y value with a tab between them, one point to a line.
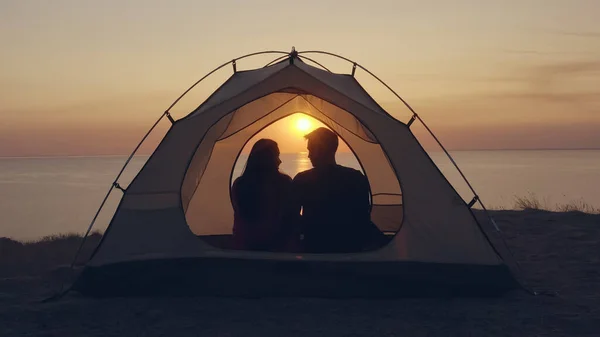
289	133
87	78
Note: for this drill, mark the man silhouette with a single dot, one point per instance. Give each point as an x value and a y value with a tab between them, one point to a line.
334	200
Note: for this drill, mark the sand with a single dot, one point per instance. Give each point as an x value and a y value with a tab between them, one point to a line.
559	254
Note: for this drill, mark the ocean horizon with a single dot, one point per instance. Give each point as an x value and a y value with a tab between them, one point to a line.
45	195
147	154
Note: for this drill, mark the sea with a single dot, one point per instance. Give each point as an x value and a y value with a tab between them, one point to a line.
43	196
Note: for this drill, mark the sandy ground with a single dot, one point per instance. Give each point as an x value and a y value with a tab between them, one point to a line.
559	254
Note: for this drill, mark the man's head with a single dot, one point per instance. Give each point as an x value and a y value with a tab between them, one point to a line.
322	145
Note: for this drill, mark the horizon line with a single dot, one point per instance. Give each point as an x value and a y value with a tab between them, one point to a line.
297	152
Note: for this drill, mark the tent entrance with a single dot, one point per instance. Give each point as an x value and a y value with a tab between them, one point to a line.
289	132
206	189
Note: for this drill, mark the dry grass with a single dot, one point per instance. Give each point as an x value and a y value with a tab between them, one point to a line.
578	206
47	253
532	202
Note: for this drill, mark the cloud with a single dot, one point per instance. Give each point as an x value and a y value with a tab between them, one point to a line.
533	52
559	82
570	67
459	78
595	35
555	97
576	135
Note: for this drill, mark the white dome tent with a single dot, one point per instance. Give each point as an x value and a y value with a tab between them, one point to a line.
169	233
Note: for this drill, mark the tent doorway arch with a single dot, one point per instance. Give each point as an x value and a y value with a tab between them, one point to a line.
205	191
289	132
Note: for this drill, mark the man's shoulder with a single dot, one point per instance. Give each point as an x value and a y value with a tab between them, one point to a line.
304	175
284	177
236	182
351	176
349	171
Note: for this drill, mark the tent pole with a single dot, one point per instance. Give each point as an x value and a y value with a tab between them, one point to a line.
315	62
221	66
449	156
291	54
114	185
89	229
415	115
367	70
275	60
168	115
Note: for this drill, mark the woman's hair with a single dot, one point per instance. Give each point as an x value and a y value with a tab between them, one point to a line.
262	163
262	159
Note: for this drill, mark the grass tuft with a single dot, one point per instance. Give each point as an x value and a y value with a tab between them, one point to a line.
39	256
532	202
578	206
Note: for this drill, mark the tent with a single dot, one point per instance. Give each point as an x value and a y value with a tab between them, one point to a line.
169	233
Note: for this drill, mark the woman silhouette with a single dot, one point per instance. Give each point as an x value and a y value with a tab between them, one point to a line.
261	201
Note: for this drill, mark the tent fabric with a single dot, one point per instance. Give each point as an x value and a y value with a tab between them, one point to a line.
211	213
182	192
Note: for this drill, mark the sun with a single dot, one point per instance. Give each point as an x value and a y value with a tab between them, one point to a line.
303	124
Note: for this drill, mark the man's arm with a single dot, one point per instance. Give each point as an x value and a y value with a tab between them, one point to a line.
363	193
296	196
294	206
372	234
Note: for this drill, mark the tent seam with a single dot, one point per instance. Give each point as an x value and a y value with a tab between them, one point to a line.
351	99
219	139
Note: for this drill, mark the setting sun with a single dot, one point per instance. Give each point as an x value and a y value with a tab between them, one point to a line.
303	124
289	133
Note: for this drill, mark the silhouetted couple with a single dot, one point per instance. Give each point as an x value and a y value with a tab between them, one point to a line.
324	209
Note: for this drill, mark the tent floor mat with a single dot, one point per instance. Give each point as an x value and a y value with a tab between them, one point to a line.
295	278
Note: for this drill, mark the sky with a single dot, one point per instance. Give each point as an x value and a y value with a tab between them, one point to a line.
90	77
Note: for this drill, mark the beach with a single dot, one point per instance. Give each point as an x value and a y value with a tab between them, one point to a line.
358	150
557	254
